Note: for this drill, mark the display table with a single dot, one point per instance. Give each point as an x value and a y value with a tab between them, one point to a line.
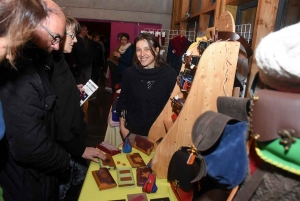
90	191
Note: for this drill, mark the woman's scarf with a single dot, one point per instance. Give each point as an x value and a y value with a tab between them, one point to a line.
124	48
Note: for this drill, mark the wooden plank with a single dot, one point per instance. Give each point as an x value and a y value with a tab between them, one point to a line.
217	11
214	77
264	24
184	8
237	2
194	7
203	22
168	124
225	22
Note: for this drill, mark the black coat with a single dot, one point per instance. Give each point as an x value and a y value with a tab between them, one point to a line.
32	157
81	53
97	54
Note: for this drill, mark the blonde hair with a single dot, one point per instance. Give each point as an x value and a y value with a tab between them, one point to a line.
71	23
18	19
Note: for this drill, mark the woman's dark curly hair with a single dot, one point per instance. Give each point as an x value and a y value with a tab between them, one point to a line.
153	44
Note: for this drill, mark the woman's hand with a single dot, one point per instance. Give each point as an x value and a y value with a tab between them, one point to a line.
80	87
117	54
93	154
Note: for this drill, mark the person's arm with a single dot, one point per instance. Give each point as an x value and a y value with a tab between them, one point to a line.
123	130
76	148
27	134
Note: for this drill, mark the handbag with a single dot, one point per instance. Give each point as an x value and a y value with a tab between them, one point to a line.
184	166
275	127
150	184
217	136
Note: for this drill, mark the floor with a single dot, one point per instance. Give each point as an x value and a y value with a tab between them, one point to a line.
96	113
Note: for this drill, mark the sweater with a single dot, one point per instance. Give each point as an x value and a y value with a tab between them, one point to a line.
144	94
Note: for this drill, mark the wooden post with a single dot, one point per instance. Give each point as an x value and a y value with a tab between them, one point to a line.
264	24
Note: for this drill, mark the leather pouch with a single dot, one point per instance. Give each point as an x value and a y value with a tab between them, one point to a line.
137	197
104	179
180	194
142	175
275	127
150	184
143	145
108	148
108	163
182	174
125	176
135	160
274	111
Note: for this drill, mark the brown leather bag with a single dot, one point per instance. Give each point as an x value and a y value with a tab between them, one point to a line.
104	179
143	145
273	112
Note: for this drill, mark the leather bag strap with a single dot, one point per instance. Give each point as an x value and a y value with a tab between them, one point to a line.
224	35
251	185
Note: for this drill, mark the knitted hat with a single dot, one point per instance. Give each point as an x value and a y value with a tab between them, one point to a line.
278	58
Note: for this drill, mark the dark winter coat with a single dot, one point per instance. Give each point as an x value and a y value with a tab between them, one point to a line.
32	158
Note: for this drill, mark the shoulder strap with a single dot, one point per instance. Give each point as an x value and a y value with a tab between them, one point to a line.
251	185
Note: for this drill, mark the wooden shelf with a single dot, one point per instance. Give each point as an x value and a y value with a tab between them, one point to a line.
237	2
207	85
209	10
168	124
195	14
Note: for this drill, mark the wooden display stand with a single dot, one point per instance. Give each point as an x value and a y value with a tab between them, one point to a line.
214	77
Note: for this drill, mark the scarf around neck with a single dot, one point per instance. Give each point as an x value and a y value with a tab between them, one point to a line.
124	48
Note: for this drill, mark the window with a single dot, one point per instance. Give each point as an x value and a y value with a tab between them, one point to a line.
288	13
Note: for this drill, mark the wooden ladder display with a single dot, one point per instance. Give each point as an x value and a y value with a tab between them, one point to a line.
214	77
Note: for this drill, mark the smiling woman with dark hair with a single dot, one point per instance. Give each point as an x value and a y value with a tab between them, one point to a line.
146	88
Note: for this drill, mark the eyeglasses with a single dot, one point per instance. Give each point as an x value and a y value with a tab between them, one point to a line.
56	38
73	35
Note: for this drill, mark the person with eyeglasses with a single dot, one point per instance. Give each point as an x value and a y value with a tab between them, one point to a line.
32	159
70	117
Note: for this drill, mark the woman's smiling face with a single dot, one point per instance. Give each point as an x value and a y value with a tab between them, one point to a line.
144	54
